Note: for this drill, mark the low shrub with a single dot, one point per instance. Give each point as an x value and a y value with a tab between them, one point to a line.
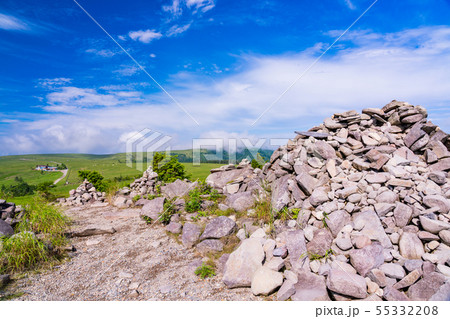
95	178
205	271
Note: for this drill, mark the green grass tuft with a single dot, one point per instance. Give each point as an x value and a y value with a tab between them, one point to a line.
205	271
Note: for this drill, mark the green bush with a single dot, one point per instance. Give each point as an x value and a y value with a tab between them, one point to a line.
168	170
21	188
255	164
195	202
95	178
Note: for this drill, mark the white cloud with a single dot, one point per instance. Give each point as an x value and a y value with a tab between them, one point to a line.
104	52
128	70
152	55
412	65
174	8
55	82
202	5
195	6
8	22
146	36
350	5
176	30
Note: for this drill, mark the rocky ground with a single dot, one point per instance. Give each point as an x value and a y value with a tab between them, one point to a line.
136	262
356	208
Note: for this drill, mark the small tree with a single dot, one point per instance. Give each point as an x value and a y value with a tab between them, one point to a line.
169	171
95	178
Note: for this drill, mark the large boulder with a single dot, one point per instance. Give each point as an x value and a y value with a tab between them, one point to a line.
265	281
310	287
241	201
347	284
370	225
280	193
367	258
296	246
178	188
190	235
410	246
425	288
321	242
5	229
243	263
153	208
218	227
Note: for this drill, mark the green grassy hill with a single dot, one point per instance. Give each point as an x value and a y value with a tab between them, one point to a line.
110	166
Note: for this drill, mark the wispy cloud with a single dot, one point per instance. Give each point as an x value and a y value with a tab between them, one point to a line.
176	7
146	36
176	30
103	53
350	4
52	83
11	23
411	65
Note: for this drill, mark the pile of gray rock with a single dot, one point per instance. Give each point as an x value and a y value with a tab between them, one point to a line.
232	179
145	185
82	195
372	193
10	215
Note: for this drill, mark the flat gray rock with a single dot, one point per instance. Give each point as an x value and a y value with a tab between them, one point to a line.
437	201
310	287
321	242
296	246
178	188
241	201
433	226
286	290
336	220
410	246
425	288
367	258
190	235
174	228
393	270
265	281
347	284
243	263
153	208
218	227
370	225
210	245
5	229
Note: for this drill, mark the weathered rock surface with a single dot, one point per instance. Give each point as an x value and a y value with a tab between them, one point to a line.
243	263
265	281
347	284
218	227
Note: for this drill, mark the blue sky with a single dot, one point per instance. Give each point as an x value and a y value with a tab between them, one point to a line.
65	86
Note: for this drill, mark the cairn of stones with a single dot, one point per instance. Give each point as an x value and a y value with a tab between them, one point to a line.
372	193
82	195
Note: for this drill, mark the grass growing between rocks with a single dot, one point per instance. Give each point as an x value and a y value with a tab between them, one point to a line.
205	271
38	239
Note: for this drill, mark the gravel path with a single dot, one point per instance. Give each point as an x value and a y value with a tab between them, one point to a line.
138	262
64	171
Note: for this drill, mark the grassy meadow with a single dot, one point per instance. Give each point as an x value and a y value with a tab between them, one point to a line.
110	166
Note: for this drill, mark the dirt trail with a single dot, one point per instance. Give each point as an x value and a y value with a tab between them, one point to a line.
64	171
138	262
